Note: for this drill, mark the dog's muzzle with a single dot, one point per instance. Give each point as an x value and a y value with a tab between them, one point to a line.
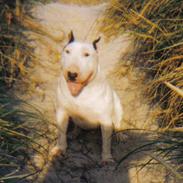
75	85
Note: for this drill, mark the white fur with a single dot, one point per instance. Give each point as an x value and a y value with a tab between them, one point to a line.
97	105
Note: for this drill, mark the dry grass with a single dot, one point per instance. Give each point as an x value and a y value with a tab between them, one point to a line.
156	25
157	28
17	124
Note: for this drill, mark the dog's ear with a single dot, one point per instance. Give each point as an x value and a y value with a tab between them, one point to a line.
95	43
71	37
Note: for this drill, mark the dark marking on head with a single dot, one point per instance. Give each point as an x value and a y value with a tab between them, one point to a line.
71	37
95	43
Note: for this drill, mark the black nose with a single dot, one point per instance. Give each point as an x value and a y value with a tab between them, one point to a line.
72	75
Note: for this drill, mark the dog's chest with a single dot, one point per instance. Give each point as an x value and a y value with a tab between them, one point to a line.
83	113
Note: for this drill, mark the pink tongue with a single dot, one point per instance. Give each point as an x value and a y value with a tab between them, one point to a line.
74	88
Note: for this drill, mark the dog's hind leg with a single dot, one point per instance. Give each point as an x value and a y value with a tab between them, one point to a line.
62	124
106	143
117	119
75	132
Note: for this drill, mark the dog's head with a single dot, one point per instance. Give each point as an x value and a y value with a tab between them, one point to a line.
79	63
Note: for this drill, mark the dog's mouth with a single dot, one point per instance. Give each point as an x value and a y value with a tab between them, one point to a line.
75	87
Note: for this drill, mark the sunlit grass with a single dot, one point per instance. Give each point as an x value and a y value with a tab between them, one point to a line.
157	29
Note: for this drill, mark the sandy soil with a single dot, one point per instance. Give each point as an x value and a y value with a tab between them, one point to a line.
82	161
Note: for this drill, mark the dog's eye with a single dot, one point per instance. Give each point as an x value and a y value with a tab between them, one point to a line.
86	54
67	51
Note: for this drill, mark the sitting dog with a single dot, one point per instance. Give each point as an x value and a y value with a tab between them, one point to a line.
84	95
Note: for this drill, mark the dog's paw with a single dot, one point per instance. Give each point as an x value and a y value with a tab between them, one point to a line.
121	137
107	159
55	152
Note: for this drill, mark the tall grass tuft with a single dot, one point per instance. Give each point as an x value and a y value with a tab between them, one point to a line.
18	128
157	27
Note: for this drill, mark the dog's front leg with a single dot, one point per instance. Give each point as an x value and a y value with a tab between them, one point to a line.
106	143
62	124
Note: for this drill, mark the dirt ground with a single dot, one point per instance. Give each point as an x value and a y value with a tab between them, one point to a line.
82	160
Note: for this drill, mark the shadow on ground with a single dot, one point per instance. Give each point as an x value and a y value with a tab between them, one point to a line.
82	161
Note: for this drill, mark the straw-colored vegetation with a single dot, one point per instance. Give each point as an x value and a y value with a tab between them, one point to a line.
17	126
157	28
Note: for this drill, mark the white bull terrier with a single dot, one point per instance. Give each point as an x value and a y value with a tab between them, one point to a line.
84	95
